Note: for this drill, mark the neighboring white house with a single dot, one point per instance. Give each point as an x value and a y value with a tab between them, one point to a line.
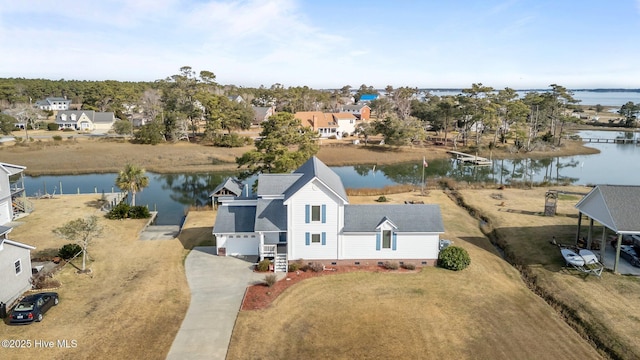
12	196
85	120
15	267
306	215
53	103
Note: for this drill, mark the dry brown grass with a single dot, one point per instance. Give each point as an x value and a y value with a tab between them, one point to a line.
131	305
483	312
46	156
604	308
100	156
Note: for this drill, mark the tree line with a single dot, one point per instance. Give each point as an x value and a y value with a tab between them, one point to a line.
192	105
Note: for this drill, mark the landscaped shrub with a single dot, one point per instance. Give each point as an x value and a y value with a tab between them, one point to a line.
44	280
316	267
293	267
52	126
382	199
69	129
120	211
391	265
56	138
263	265
270	279
454	258
68	251
139	212
409	266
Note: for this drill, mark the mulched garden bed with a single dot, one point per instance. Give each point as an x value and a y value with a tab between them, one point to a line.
260	296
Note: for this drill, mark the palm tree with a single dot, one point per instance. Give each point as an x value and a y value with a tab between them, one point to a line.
132	179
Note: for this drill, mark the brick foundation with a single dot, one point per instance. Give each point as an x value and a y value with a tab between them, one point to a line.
368	262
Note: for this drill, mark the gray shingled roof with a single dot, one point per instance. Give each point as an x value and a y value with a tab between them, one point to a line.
231	184
96	117
620	202
235	219
271	215
11	169
275	184
4	229
353	107
408	218
316	168
104	117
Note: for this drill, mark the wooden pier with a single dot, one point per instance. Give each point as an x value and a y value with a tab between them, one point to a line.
612	141
470	159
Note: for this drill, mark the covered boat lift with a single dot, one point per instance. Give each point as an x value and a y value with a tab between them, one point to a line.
616	208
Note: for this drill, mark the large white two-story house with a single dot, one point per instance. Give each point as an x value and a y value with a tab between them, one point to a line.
53	103
306	216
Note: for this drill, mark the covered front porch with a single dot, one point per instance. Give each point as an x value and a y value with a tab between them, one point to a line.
276	251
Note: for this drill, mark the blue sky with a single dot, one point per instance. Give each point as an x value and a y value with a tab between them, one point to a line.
328	43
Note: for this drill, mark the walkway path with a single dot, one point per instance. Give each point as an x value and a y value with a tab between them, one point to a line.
217	286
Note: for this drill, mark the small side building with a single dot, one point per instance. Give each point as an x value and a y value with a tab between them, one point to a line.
15	267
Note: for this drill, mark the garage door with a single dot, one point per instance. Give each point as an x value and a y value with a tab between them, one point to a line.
241	245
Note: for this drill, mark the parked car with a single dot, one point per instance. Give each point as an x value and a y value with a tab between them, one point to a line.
628	253
32	307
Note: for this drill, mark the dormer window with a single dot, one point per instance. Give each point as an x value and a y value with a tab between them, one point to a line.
73	117
63	117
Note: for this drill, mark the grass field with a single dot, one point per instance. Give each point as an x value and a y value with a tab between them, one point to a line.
603	308
95	155
131	305
483	312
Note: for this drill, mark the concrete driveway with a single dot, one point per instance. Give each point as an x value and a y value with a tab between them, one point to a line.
217	286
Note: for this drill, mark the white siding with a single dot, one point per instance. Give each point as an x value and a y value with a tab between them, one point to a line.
408	246
5	212
313	193
348	126
14	285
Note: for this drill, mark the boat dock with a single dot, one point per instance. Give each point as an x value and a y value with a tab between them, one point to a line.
612	141
470	159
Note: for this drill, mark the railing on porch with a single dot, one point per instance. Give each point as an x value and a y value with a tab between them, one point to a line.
281	263
21	205
269	250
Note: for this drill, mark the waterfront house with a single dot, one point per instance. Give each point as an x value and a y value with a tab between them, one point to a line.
328	124
306	216
15	267
85	120
13	202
